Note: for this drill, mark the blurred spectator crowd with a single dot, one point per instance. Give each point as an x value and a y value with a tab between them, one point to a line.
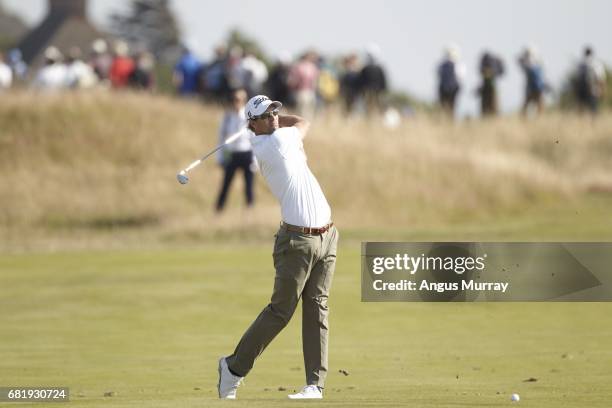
304	85
307	84
102	67
587	81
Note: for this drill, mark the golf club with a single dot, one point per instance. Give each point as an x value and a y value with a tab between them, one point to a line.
182	175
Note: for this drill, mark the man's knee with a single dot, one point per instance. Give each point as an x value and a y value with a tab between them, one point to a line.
315	302
281	313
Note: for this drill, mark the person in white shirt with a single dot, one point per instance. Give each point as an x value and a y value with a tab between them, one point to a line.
6	74
255	73
238	154
79	75
54	75
304	251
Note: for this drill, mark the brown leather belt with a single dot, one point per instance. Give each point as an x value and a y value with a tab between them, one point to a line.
306	230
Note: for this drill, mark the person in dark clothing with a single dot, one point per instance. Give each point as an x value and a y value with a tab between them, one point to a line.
278	82
214	78
589	82
491	68
142	76
450	73
373	82
349	82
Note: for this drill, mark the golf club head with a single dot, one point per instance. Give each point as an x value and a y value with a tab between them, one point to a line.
182	177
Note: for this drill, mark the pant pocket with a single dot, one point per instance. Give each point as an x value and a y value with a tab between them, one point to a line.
282	242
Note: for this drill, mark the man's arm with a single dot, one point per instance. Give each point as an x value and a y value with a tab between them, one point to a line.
292	120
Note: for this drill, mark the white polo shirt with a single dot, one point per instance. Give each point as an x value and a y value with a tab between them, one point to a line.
283	164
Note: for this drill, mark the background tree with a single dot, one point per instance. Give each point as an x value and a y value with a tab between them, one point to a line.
150	24
238	38
12	28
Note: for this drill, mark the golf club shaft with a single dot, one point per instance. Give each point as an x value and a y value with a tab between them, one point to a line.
207	155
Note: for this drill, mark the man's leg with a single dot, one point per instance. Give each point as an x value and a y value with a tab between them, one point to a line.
293	258
229	171
245	164
315	311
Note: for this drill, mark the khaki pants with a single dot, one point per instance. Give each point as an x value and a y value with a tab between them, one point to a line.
304	268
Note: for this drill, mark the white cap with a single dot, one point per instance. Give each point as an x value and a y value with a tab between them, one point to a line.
122	48
99	46
284	57
531	51
53	54
373	51
452	52
258	105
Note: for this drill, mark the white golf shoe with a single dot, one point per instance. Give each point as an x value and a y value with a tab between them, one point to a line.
308	392
228	382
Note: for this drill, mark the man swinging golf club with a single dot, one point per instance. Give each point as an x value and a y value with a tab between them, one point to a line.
304	251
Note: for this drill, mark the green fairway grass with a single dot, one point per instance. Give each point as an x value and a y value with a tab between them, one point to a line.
148	327
127	287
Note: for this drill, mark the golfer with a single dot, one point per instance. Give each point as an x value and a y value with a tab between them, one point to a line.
304	251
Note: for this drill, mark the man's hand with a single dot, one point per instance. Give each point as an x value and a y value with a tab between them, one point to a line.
292	120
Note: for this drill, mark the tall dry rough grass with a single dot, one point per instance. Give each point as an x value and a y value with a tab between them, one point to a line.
104	164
